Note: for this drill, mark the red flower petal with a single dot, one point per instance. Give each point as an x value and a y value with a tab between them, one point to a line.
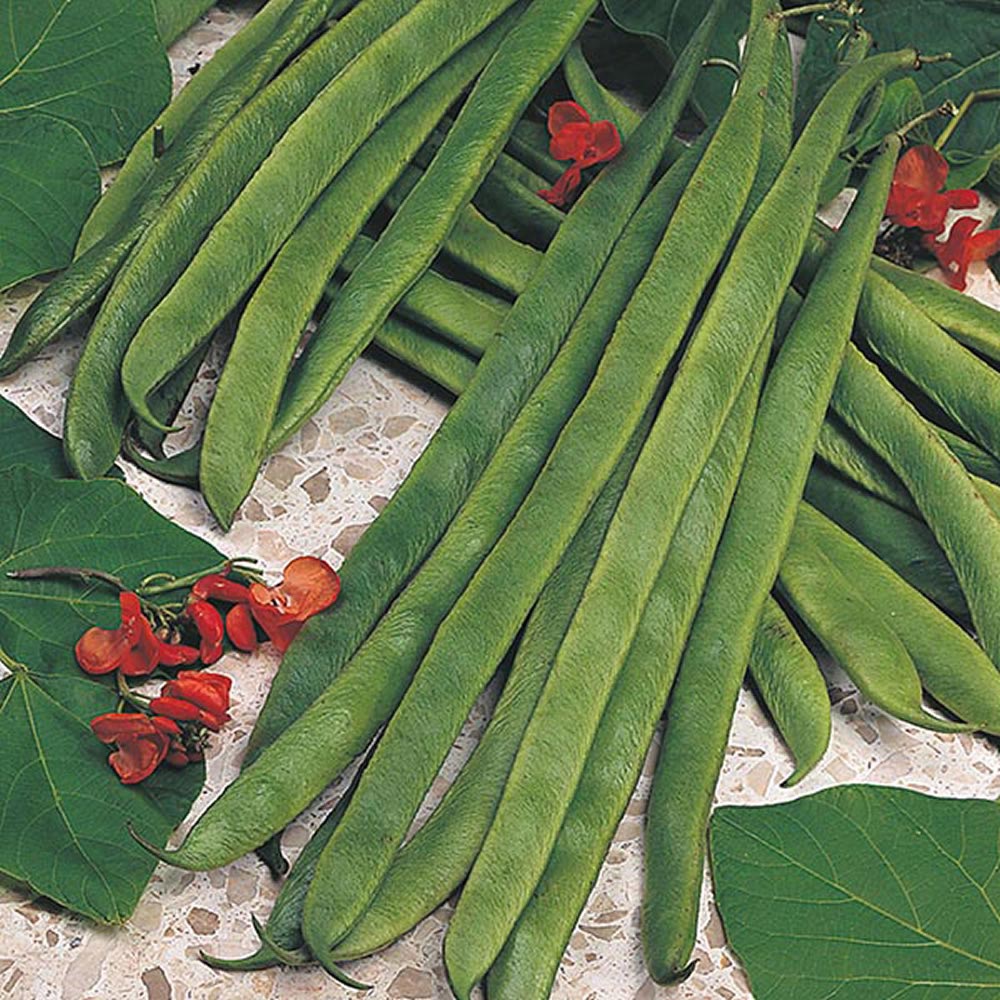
174	708
136	759
144	656
571	141
560	192
309	586
563	113
962	198
605	143
923	168
240	628
175	654
984	245
101	650
112	726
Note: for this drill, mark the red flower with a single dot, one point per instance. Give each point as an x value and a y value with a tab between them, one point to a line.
143	742
208	622
132	646
963	246
309	586
240	628
915	198
575	137
195	696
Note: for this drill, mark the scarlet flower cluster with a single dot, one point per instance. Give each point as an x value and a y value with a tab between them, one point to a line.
173	726
575	137
917	201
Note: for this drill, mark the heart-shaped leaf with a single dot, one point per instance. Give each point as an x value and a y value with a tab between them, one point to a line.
862	893
174	17
80	80
25	443
62	809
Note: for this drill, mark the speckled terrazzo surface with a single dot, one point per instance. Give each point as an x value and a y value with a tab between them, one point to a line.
316	497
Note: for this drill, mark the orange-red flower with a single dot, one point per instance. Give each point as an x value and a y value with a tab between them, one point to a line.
309	586
132	647
143	742
963	246
575	137
916	200
195	696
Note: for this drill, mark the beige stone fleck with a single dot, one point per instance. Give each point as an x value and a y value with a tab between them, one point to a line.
396	426
202	921
241	887
156	983
281	471
412	984
317	486
342	421
348	538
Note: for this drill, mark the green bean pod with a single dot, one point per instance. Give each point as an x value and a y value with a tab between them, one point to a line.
499	98
794	402
478	245
271	327
792	687
856	635
303	162
553	752
443	363
527	965
952	667
843	450
96	410
976	460
407	529
81	285
900	540
432	865
964	524
453	310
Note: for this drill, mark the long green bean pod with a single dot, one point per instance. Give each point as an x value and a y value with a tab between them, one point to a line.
407	529
96	410
952	666
271	326
432	865
303	162
899	539
527	965
793	404
85	280
792	688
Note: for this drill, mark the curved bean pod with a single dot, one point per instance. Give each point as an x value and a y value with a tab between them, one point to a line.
951	666
96	410
394	546
270	329
793	689
793	404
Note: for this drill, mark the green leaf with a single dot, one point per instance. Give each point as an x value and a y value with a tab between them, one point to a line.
968	29
862	893
62	809
48	184
97	65
901	104
673	22
174	17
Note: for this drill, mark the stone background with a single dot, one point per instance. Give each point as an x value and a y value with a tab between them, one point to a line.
316	497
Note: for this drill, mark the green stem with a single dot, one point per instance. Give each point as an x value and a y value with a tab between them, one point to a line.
128	695
73	572
724	63
818	8
990	94
948	108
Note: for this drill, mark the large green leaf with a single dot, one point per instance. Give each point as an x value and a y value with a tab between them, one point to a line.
673	22
80	80
48	184
968	29
97	65
62	809
862	893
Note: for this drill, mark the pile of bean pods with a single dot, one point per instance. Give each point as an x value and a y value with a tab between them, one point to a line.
695	432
